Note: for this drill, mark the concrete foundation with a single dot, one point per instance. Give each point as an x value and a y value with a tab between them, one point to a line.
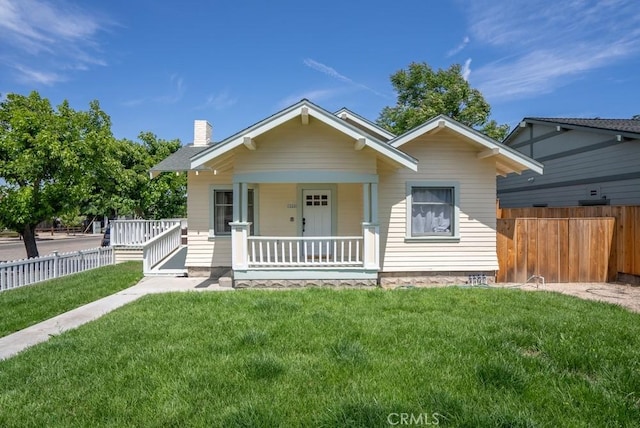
209	272
287	283
417	279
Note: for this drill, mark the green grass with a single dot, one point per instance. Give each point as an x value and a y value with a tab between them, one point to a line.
29	305
333	358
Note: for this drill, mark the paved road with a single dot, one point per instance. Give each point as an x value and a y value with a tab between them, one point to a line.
13	248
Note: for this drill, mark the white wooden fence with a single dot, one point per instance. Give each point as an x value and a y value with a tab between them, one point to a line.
132	233
29	271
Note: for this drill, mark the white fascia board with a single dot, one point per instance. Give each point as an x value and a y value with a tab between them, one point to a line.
380	147
295	111
365	123
238	139
504	151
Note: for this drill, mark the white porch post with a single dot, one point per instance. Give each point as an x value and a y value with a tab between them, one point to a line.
371	238
236	202
244	202
239	228
366	202
239	244
370	227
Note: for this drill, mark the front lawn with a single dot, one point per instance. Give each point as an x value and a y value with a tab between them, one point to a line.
334	358
25	306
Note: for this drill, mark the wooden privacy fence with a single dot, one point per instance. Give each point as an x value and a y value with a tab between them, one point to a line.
625	251
29	271
558	249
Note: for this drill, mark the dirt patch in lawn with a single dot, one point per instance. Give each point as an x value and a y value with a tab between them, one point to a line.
622	294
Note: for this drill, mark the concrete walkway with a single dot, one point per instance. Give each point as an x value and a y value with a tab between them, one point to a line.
14	343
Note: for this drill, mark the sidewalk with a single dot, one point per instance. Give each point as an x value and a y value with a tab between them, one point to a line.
47	236
14	343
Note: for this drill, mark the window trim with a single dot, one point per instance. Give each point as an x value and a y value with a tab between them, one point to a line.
455	221
229	188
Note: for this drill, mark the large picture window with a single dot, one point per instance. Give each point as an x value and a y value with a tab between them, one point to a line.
432	210
223	211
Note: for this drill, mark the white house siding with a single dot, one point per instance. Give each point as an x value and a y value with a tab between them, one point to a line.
349	209
279	202
574	170
277	206
442	157
203	251
290	147
312	147
125	254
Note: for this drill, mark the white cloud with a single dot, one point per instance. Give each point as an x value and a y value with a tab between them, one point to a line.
173	95
458	48
27	75
176	92
218	101
466	69
542	44
52	35
331	72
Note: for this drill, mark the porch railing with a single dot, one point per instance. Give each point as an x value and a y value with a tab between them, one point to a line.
159	247
322	251
135	233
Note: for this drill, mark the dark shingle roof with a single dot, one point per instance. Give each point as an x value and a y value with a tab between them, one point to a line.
180	160
621	125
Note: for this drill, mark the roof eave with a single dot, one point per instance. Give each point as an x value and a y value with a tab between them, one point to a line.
289	113
573	126
512	156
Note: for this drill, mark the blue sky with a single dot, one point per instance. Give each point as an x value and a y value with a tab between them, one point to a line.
158	65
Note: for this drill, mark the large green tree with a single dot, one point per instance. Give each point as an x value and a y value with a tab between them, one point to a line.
424	93
125	188
47	160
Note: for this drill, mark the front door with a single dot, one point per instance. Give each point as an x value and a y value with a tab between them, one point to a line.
316	221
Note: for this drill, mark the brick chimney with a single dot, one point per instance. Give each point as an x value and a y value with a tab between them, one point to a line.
202	131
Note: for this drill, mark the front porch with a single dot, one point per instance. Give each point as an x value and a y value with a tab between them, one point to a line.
328	243
331	258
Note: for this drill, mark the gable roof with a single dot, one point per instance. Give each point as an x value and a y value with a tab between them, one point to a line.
508	160
626	127
302	108
345	113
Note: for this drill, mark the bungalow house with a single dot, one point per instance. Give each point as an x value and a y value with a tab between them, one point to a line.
311	196
586	162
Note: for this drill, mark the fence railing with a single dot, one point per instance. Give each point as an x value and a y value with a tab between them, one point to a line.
135	233
158	248
30	271
323	251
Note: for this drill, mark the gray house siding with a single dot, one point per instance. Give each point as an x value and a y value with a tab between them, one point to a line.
579	166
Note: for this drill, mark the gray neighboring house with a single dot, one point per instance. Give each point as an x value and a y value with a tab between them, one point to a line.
586	162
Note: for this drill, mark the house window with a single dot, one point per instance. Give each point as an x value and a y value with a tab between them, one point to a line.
432	210
223	211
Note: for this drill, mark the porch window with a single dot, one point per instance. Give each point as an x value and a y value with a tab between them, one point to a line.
223	211
432	211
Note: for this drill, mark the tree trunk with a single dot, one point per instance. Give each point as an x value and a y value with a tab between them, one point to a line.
29	237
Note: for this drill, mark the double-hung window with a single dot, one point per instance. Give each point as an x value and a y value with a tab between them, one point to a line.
432	210
223	211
